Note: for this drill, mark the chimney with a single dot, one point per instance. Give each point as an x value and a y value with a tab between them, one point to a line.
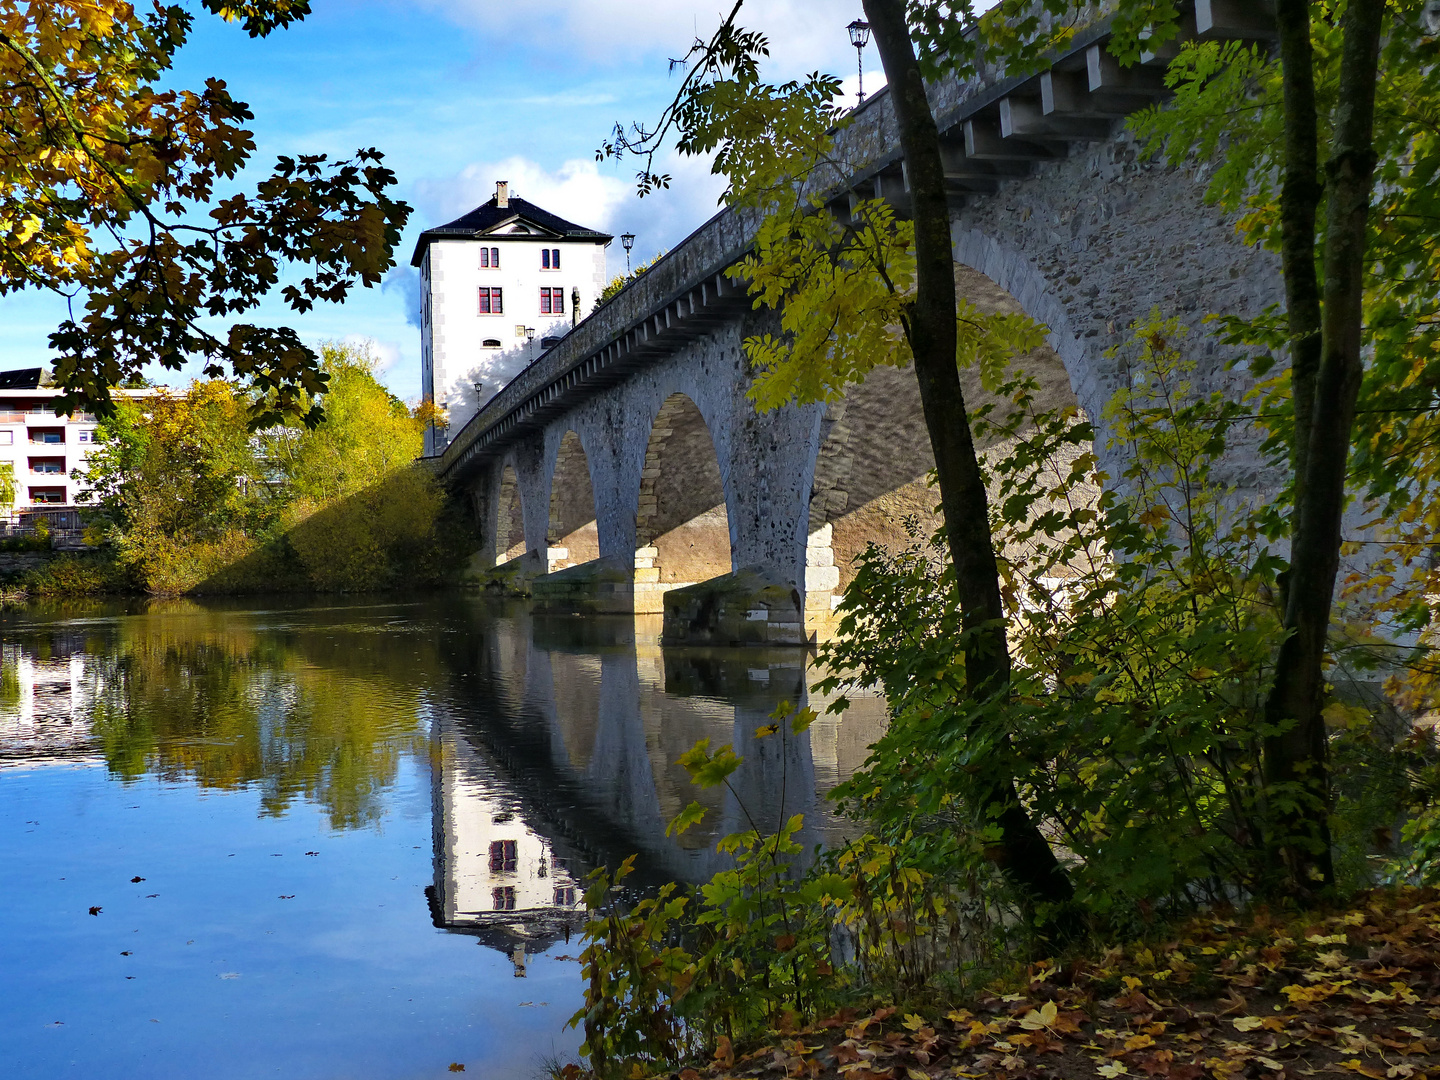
502	194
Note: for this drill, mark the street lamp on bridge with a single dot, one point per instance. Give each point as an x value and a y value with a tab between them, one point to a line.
859	37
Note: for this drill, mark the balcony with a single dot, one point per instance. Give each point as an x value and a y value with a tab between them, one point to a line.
11	416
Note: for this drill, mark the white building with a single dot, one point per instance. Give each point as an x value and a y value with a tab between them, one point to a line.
42	448
499	285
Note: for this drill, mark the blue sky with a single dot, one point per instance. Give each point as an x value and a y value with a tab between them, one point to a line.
459	94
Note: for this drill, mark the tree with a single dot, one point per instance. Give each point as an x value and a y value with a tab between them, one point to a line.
103	179
1347	285
843	288
1355	281
368	433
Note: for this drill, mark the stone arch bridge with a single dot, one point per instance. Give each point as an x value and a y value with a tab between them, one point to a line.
625	470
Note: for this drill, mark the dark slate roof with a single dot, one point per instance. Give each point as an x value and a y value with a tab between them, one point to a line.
488	216
20	379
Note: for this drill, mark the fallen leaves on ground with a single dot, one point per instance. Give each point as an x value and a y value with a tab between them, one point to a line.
1352	994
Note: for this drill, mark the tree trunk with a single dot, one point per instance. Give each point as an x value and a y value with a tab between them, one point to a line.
1299	203
1023	853
1298	754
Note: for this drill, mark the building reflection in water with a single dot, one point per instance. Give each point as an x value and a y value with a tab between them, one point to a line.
496	877
47	699
558	751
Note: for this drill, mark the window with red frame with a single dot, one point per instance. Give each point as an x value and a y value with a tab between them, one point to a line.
503	898
491	302
552	301
549	258
489	258
502	856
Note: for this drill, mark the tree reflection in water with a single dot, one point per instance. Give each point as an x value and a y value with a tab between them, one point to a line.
190	693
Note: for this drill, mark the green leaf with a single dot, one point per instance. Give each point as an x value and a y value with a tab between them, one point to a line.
691	815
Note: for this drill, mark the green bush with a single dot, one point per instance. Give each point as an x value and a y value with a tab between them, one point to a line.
77	574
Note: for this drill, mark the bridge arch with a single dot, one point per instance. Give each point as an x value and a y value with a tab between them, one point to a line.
873	460
683	531
571	534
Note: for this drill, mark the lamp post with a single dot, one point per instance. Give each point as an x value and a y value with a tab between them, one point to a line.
859	37
530	338
628	240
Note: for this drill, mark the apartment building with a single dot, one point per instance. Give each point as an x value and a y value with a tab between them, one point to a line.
42	448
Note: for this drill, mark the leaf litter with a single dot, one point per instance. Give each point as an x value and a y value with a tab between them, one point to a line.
1261	997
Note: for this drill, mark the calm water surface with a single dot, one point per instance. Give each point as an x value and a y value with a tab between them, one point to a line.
358	828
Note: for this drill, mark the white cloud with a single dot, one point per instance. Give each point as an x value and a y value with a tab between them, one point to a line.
404	279
386	353
577	190
805	35
664	218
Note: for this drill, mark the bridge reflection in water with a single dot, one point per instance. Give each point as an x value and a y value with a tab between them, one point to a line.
558	751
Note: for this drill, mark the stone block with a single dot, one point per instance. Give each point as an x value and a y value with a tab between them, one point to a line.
822	537
819	556
747	607
822	599
822	577
599	587
647	574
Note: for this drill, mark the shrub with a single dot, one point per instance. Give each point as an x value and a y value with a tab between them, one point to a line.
372	538
77	574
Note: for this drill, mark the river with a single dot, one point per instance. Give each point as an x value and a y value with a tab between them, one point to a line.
348	838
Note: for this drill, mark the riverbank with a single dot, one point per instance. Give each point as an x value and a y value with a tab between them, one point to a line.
399	534
1355	991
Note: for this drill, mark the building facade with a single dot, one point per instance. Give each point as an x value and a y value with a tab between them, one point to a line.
44	450
499	285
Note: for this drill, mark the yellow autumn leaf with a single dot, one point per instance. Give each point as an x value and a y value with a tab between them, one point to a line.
1044	1017
1247	1023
